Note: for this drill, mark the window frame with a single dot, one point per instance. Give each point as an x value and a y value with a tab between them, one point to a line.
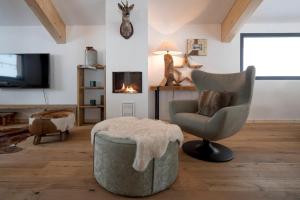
260	35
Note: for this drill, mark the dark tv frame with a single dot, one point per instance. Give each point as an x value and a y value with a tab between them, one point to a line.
256	35
29	87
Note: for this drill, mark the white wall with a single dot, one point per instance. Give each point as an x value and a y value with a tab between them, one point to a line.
126	55
64	60
272	100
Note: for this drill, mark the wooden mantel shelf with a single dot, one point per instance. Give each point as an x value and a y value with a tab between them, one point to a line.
97	66
185	87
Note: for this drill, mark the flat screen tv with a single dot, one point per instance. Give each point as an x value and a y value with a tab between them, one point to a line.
24	70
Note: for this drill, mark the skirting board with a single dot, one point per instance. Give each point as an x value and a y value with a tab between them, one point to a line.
273	122
264	121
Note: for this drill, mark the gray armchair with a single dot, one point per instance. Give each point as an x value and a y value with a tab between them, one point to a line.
224	123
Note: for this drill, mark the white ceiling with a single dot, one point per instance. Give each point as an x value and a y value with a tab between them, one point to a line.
16	13
73	12
193	11
277	11
162	13
81	12
168	16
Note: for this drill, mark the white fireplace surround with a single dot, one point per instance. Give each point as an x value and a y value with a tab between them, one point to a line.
126	55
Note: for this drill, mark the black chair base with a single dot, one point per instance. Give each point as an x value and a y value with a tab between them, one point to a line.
208	151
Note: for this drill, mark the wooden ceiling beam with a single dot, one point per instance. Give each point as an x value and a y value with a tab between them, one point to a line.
49	17
237	17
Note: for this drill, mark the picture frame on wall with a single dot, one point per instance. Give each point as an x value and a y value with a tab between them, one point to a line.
197	47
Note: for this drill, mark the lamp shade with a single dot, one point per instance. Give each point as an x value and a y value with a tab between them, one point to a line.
167	47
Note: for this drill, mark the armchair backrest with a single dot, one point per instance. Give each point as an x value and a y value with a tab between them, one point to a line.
239	83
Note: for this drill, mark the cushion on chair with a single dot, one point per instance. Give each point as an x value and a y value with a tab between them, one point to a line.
211	101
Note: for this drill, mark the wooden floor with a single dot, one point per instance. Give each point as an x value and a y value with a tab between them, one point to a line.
266	166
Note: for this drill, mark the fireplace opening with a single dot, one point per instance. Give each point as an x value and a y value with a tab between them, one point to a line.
127	82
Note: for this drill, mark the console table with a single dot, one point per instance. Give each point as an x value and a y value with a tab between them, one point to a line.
157	90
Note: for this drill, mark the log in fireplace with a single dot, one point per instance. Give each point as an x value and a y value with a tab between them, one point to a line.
127	82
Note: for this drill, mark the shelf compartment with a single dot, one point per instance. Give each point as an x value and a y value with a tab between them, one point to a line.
81	93
92	88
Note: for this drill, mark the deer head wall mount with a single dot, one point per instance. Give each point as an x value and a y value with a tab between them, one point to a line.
126	28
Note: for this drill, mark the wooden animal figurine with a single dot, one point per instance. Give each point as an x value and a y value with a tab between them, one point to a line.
126	28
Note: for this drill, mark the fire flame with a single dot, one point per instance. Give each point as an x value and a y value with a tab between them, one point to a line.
127	89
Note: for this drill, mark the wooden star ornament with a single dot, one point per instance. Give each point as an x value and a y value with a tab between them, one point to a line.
180	76
186	62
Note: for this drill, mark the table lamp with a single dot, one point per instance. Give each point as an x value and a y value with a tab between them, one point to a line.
168	49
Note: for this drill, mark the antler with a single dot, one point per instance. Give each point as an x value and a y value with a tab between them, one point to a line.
125	5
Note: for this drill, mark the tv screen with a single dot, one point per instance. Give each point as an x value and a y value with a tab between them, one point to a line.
24	70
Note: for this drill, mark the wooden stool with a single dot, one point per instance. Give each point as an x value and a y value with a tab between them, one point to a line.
44	124
62	135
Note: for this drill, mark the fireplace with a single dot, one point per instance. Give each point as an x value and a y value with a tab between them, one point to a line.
127	82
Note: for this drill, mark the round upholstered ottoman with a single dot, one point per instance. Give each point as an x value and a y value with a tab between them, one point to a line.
113	158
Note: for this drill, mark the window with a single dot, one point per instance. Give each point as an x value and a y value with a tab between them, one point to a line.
8	65
276	56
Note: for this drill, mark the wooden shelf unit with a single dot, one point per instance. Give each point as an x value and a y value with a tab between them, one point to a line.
81	88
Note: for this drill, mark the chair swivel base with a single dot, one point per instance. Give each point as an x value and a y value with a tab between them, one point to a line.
208	151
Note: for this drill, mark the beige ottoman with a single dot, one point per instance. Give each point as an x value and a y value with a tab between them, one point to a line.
135	157
113	170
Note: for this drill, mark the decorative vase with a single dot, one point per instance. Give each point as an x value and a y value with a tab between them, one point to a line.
90	56
92	83
93	102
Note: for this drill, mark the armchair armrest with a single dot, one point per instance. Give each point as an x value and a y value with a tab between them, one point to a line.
231	118
179	106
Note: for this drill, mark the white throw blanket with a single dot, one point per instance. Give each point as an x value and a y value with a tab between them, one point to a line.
151	137
65	123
